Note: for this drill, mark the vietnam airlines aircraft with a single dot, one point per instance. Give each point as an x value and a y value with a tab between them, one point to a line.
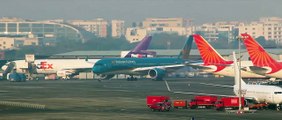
66	67
214	63
258	93
156	68
264	64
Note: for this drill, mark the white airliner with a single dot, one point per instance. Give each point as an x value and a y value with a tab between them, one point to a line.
259	93
214	63
61	67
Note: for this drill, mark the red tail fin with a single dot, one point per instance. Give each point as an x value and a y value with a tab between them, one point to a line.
209	54
258	55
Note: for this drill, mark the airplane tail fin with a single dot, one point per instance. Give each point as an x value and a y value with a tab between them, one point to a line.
185	52
258	54
209	55
143	45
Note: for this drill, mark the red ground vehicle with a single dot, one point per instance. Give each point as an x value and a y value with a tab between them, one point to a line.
180	104
160	103
258	106
229	103
202	102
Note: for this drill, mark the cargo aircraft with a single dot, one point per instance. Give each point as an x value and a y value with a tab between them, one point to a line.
258	93
263	63
156	68
214	63
66	67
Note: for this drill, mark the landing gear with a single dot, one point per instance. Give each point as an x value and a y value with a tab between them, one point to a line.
131	78
278	107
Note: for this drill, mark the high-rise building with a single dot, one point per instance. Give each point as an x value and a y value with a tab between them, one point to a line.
166	25
164	22
117	28
135	34
255	29
7	43
270	28
177	26
213	31
98	26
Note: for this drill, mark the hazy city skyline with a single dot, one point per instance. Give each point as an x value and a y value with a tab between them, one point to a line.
200	11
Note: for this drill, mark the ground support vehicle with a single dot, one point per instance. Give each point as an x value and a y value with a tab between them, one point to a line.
230	103
16	77
258	106
180	104
202	102
159	103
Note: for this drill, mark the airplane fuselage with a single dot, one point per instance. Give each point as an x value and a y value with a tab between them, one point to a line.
50	66
132	66
261	93
229	70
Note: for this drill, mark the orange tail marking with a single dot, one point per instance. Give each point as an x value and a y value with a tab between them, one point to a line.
208	54
258	55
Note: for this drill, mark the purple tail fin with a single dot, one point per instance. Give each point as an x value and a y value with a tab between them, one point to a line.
141	47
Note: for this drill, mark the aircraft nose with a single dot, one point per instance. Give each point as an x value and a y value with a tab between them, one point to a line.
96	69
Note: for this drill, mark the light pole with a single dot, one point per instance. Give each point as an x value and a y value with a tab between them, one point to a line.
240	89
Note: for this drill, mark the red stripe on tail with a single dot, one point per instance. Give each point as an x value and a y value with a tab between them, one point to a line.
209	55
258	54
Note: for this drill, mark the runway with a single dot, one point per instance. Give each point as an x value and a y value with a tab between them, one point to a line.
113	100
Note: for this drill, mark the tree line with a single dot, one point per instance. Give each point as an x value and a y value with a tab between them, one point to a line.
159	41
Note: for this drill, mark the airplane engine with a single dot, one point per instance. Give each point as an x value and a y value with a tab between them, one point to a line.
157	73
106	77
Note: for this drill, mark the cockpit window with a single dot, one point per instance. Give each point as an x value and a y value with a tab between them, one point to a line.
277	92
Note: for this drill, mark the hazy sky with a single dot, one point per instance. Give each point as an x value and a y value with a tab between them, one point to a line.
137	10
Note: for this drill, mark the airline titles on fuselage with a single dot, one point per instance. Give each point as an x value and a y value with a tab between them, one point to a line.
123	62
44	65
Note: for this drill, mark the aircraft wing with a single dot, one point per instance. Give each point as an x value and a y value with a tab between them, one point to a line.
168	68
194	93
196	66
201	66
79	69
258	70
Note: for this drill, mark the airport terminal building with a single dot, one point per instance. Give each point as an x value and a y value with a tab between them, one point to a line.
48	32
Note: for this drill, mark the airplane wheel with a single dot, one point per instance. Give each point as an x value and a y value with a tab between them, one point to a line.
278	107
